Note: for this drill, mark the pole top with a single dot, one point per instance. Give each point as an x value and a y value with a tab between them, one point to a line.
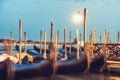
52	24
85	9
64	27
20	19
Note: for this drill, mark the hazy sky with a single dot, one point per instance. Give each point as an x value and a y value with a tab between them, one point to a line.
38	14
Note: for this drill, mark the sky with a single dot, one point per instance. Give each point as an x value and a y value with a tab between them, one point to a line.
37	15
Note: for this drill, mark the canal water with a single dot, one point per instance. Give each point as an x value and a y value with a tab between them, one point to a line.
88	76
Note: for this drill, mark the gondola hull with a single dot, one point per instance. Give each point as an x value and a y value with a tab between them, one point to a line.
97	63
10	71
44	68
79	66
71	66
38	49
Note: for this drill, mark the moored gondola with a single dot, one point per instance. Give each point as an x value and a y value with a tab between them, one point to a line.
72	66
49	67
43	68
78	66
10	71
38	49
82	64
97	63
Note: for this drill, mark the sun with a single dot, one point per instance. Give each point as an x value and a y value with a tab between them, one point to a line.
77	17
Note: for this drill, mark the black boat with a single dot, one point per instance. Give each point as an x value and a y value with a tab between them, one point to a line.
38	49
72	66
97	63
73	49
45	68
10	71
37	57
78	66
60	53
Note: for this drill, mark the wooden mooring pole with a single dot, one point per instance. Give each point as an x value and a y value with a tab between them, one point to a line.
41	42
20	41
105	36
25	42
53	56
85	16
104	49
118	41
94	34
56	48
78	55
108	38
52	32
87	55
10	73
90	38
57	40
100	39
70	51
80	41
11	43
91	42
44	55
65	44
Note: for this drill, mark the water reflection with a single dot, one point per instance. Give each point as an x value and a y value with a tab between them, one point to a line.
89	76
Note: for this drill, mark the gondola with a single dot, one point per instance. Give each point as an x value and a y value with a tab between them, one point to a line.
73	49
38	57
60	53
72	66
78	66
97	63
45	68
31	52
10	71
4	56
38	49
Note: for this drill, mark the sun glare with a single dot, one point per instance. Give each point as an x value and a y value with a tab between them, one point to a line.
77	17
